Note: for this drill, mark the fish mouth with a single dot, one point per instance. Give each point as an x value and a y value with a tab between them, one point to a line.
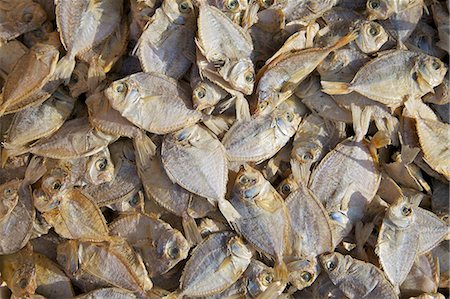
250	193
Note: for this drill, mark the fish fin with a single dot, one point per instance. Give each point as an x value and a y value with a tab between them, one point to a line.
174	295
273	291
95	76
35	170
216	124
345	40
64	68
361	121
228	211
336	87
145	149
268	204
225	263
281	272
191	231
401	45
242	108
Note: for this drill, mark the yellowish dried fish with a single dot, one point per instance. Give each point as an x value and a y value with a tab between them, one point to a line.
153	102
287	71
36	122
113	293
215	264
356	279
196	160
93	265
18	17
18	213
158	49
75	139
419	74
19	272
82	25
160	246
77	217
260	138
227	46
305	12
22	91
264	220
205	94
287	186
431	132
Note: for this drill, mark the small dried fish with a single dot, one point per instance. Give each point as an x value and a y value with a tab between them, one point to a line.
215	264
160	246
378	79
192	155
356	279
163	102
261	207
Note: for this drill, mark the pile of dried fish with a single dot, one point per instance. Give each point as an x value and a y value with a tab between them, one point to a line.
224	149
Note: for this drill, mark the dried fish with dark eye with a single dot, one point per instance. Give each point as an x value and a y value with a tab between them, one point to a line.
158	49
153	102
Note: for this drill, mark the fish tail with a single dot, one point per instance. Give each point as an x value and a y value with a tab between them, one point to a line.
4	157
65	68
228	211
345	40
191	232
95	76
335	87
145	149
281	272
273	290
35	170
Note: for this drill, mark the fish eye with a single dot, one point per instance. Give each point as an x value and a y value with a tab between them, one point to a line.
23	283
406	211
286	189
373	31
232	4
244	180
249	77
8	192
101	164
306	276
267	3
74	79
289	116
436	65
134	201
307	156
121	87
174	252
56	185
27	17
200	92
331	266
184	7
267	279
182	136
374	4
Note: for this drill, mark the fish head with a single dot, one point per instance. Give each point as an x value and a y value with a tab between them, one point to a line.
265	102
287	121
287	186
335	264
249	183
401	213
67	256
307	152
431	70
303	272
379	9
100	168
259	277
173	247
179	12
27	16
122	93
53	185
204	96
242	76
372	37
237	248
78	83
9	196
24	278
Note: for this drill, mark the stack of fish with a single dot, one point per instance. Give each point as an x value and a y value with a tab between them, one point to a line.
224	149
